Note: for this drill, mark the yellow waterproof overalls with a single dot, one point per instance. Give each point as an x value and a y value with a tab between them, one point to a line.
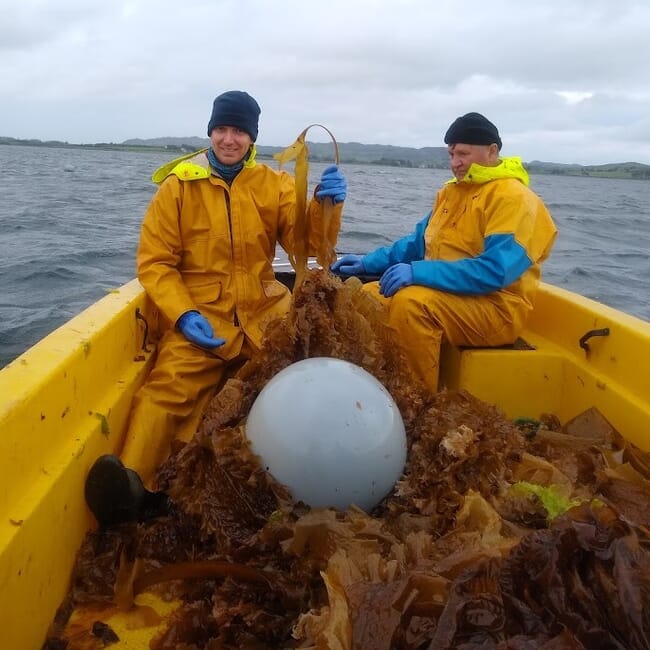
207	246
489	201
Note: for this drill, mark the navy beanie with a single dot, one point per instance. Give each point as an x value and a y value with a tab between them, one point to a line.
472	128
235	108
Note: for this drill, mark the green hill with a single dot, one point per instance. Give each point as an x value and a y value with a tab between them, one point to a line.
354	152
610	170
349	152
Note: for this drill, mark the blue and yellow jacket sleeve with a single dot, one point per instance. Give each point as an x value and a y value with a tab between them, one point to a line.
407	249
502	262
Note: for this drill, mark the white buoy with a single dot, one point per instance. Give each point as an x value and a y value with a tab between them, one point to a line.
330	432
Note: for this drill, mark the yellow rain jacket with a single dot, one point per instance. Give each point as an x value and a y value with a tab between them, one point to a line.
208	246
476	261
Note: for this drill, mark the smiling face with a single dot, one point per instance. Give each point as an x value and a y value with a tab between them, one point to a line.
461	157
230	144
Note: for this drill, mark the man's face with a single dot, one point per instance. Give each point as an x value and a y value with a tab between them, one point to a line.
230	144
461	157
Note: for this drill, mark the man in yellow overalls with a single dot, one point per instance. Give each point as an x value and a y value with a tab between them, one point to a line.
205	259
469	271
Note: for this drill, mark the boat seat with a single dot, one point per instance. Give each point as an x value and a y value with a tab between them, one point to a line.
508	376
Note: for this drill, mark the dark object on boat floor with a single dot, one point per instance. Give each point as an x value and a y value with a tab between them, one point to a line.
115	494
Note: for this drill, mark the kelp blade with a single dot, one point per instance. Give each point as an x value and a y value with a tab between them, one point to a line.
303	229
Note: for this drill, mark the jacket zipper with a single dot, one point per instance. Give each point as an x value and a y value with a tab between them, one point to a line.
232	252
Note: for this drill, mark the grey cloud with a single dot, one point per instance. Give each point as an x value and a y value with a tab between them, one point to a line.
375	71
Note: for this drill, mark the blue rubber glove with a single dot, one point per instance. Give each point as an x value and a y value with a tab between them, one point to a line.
349	265
332	184
196	329
395	278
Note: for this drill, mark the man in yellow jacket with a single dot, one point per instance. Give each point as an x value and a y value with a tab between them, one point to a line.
205	259
469	271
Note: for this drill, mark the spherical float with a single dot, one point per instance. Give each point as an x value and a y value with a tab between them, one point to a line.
330	432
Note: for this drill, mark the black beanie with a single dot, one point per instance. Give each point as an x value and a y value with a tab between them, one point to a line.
235	108
472	128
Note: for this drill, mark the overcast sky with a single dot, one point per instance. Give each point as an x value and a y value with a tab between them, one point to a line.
564	80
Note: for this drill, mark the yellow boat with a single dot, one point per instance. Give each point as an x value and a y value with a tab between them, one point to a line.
65	402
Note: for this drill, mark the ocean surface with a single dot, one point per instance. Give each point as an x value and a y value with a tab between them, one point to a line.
70	219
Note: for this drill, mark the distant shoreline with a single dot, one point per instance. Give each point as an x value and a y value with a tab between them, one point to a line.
350	153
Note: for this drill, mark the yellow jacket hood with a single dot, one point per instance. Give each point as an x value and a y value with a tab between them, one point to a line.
193	166
511	167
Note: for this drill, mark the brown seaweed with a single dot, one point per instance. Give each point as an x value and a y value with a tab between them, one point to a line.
454	557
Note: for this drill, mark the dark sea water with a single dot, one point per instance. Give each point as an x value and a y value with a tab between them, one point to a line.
70	219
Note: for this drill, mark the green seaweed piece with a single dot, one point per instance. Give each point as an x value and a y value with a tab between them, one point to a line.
104	423
552	498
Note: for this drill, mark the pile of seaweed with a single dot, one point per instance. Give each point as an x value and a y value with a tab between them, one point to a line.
496	536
